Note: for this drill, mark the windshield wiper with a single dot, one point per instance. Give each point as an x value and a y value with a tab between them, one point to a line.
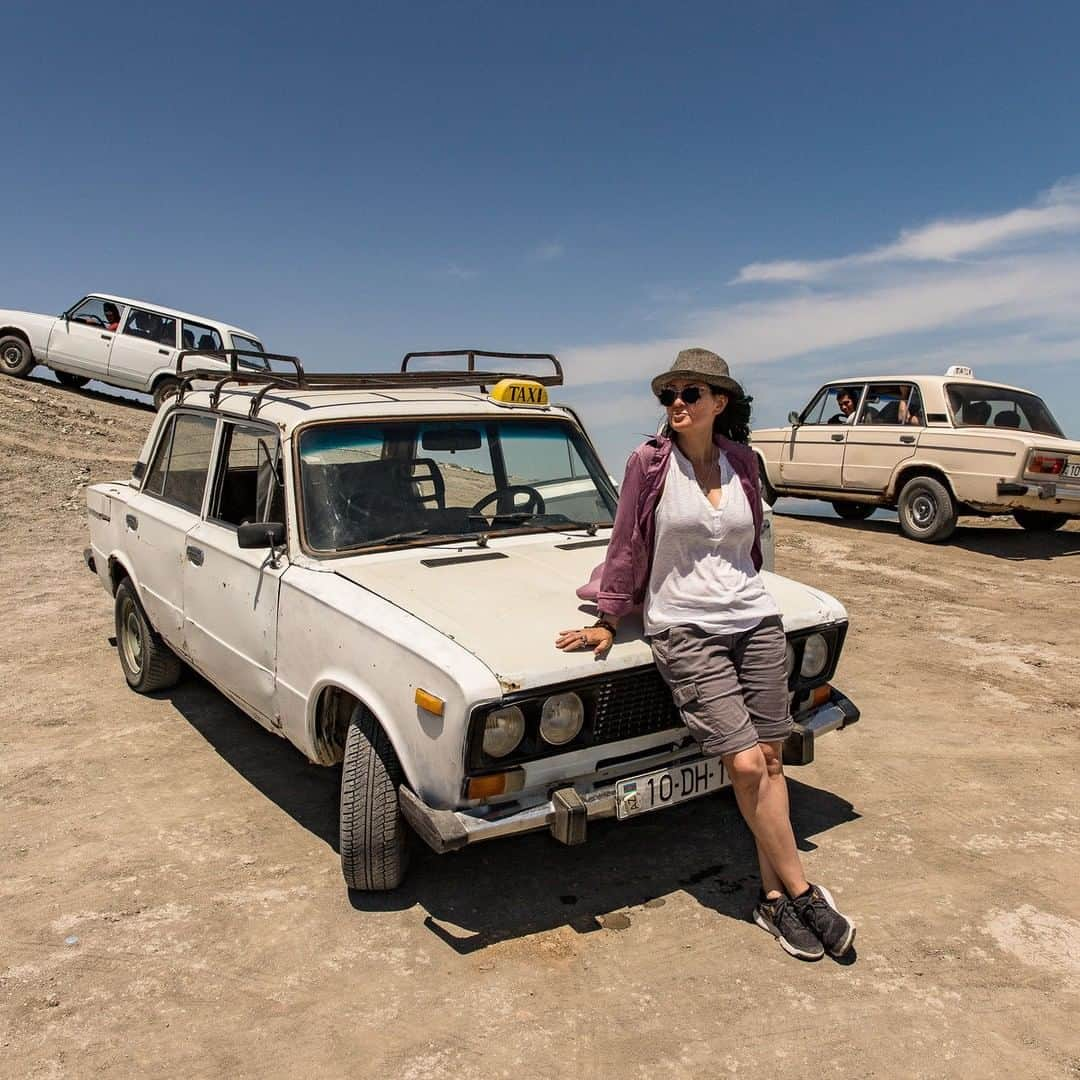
392	538
524	516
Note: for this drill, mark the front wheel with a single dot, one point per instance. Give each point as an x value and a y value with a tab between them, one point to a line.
148	663
1039	520
373	834
16	357
927	511
850	511
73	382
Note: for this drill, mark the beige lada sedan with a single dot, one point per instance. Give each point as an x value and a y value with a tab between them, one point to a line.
929	446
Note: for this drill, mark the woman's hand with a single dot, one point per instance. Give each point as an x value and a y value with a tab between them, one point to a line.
597	638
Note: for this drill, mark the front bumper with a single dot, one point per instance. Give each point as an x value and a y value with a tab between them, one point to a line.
569	809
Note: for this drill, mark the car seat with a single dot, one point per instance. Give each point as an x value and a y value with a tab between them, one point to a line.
1010	419
188	339
975	412
207	342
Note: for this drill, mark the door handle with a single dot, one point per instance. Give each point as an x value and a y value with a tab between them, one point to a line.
164	352
106	337
837	438
195	555
131	521
907	438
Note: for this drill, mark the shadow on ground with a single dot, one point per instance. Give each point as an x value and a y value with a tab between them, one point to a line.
1001	542
113	396
512	888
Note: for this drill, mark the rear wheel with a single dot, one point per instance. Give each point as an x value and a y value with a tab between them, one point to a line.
165	389
148	663
850	511
1039	520
927	510
16	357
768	492
75	382
373	834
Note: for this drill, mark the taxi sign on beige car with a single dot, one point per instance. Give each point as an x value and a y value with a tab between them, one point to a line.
930	446
374	567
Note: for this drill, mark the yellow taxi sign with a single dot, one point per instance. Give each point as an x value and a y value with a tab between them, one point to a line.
519	392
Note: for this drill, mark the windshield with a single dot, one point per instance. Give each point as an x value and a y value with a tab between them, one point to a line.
975	405
366	483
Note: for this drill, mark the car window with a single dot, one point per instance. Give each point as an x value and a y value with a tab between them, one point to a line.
96	312
197	336
363	481
181	461
250	344
976	405
150	326
250	482
833	405
894	403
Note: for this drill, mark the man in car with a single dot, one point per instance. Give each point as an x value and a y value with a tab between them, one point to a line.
846	402
112	317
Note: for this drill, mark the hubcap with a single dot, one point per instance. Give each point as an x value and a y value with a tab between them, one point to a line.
132	643
12	356
923	509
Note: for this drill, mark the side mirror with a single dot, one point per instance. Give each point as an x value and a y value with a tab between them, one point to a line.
138	470
261	534
794	419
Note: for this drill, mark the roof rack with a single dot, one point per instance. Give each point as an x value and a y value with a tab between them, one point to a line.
299	379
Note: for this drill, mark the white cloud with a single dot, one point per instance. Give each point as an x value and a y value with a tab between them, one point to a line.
1055	213
548	252
459	272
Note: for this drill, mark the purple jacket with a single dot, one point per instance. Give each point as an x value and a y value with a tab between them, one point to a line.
618	584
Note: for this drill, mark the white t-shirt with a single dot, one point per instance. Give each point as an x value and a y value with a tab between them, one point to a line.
702	571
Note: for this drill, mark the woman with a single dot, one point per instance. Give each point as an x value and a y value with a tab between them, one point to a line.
686	546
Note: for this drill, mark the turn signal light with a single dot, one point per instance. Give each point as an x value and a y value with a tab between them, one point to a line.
820	695
429	702
503	783
1047	464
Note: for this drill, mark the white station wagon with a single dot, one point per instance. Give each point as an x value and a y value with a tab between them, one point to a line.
375	568
122	342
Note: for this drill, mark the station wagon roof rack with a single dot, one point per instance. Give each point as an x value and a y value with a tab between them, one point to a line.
268	379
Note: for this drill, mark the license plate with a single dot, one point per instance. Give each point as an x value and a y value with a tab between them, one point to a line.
665	787
1071	471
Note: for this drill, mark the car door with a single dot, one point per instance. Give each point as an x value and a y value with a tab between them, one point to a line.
158	519
887	433
145	344
81	341
812	456
231	593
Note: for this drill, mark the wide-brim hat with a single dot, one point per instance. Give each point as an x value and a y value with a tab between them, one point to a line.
699	364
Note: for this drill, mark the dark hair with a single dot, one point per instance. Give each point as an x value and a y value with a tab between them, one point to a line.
734	422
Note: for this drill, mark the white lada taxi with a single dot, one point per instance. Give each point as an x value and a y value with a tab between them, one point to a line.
931	447
375	568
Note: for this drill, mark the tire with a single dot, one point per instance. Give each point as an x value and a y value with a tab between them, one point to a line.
148	663
374	838
927	510
850	511
16	357
74	382
768	492
1039	520
164	389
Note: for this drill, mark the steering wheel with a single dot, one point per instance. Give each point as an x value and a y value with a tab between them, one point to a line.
90	320
534	505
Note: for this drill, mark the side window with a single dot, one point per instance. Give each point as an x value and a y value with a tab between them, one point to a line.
96	312
833	405
151	327
196	336
182	459
899	403
250	483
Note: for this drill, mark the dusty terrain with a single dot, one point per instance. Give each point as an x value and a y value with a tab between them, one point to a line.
172	905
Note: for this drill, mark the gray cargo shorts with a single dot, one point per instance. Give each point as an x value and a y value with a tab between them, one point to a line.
730	688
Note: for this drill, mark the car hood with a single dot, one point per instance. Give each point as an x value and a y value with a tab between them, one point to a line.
506	603
26	319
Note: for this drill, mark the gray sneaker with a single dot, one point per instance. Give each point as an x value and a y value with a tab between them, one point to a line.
817	909
781	920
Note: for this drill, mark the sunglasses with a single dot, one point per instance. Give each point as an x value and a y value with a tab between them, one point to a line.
689	394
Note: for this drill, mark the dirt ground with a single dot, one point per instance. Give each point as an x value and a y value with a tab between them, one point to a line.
172	904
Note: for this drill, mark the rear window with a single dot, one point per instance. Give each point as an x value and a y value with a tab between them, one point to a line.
976	405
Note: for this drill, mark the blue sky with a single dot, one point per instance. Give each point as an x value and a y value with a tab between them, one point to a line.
810	189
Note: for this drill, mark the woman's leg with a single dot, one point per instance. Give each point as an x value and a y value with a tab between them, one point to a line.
761	792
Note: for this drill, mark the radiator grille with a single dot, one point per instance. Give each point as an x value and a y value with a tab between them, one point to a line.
633	705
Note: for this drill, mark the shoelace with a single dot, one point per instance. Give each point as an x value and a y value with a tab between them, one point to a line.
818	907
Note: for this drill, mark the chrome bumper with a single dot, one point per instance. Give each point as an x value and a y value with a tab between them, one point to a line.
1041	489
568	811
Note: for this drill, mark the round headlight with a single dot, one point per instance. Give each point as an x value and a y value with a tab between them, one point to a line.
789	660
561	718
503	730
815	656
